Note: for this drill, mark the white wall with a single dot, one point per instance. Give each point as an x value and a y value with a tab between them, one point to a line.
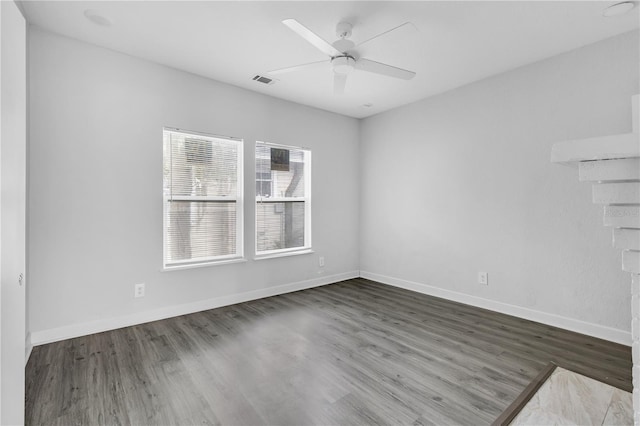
96	119
13	113
462	182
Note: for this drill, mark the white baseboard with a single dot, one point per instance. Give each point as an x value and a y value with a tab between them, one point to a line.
590	329
42	337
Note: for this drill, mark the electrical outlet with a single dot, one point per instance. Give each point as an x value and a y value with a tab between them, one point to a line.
138	290
483	278
321	261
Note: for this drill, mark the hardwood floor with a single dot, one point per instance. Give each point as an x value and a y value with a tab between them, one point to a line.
355	352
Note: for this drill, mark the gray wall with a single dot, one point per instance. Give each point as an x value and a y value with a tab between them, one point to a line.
423	196
462	182
96	188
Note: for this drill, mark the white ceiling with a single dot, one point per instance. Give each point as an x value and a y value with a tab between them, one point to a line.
451	43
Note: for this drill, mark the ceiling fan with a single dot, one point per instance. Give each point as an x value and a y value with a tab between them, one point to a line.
343	58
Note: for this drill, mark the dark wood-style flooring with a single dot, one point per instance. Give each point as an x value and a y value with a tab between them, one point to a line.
354	352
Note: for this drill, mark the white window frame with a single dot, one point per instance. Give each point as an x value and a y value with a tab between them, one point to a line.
267	254
238	256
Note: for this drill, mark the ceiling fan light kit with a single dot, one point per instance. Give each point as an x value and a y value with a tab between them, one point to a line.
343	64
342	56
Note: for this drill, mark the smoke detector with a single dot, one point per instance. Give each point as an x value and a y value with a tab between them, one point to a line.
618	9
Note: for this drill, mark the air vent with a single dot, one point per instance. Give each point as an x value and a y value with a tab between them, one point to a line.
263	79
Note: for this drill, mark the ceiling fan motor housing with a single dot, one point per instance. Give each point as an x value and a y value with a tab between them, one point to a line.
344	45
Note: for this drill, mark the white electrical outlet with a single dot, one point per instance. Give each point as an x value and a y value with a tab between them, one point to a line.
321	261
138	290
483	278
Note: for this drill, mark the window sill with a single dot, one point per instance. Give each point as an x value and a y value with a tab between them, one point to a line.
282	254
203	264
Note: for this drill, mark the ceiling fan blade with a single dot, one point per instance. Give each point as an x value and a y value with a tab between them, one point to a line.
339	81
406	25
297	68
304	32
383	69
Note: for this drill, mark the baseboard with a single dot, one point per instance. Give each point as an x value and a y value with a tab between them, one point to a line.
76	330
42	337
28	347
582	327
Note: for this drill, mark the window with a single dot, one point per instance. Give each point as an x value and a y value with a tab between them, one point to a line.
202	198
283	199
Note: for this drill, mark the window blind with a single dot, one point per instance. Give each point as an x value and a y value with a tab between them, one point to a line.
202	197
283	195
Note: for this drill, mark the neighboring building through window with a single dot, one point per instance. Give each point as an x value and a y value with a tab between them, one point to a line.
202	198
283	199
